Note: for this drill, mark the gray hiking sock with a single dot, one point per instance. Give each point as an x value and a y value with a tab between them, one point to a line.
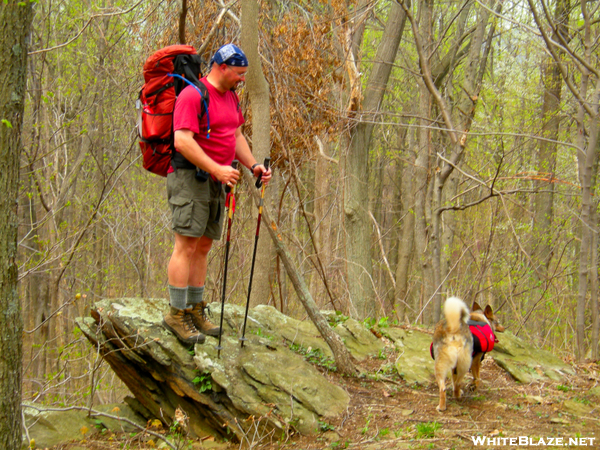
178	297
195	295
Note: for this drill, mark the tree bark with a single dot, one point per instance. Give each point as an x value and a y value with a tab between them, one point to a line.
421	188
464	112
182	16
587	96
258	91
406	240
594	343
340	353
16	18
546	158
356	197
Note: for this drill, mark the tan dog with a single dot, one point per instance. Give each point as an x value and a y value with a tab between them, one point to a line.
452	347
480	348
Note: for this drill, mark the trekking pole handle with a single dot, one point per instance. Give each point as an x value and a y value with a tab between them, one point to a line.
259	180
234	164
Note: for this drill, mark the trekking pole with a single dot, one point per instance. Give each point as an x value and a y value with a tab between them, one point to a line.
258	184
230	208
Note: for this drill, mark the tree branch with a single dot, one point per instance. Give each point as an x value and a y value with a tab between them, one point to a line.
182	16
427	78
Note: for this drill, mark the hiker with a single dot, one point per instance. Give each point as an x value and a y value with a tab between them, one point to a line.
196	196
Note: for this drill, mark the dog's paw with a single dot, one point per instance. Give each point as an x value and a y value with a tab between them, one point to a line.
440	409
471	387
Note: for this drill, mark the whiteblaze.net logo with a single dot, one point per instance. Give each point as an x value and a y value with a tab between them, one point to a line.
532	442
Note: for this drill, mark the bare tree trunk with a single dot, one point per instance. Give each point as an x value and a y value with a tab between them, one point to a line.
587	96
258	90
421	188
588	166
465	112
323	216
448	230
594	344
182	16
340	352
406	240
546	158
16	22
356	198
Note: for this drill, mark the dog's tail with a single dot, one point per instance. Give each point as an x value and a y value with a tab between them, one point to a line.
455	312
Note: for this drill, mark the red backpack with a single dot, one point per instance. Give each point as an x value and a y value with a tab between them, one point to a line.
166	73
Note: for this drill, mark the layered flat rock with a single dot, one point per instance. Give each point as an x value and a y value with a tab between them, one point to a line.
523	362
223	393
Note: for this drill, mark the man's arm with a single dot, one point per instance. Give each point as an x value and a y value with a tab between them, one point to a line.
189	148
244	155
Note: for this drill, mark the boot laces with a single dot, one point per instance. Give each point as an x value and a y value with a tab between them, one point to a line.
203	311
189	324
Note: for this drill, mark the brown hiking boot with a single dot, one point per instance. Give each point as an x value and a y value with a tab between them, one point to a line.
179	322
201	322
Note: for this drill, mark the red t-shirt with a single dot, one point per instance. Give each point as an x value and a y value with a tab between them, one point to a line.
224	114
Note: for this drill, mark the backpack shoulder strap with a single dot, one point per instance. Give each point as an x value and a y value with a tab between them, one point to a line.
205	98
204	107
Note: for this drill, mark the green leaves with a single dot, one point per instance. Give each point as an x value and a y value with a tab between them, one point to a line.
4	121
203	381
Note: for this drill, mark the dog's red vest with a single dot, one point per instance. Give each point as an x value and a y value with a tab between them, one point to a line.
483	337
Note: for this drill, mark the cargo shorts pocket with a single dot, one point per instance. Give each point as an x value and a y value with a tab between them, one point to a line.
182	209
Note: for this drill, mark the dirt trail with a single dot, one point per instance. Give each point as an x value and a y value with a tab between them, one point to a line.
387	413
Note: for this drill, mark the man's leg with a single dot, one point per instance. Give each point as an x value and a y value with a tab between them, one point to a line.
196	281
199	262
178	271
181	262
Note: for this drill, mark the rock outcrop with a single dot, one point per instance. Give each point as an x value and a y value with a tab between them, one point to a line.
273	377
265	379
524	363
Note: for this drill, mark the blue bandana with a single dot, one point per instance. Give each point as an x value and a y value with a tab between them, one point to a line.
231	55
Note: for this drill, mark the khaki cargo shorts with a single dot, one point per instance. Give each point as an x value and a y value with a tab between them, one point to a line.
197	207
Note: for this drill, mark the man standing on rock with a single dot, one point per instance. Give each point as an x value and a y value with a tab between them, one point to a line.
195	186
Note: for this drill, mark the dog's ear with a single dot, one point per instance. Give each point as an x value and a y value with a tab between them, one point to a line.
488	312
476	307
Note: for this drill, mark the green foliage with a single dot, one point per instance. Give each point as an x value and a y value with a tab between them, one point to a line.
7	123
324	426
336	320
383	322
261	333
314	356
369	322
365	429
99	425
582	400
203	381
383	432
426	430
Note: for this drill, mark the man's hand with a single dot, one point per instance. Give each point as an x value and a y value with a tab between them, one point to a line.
227	175
266	173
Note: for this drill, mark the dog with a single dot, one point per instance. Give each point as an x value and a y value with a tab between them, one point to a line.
484	326
452	348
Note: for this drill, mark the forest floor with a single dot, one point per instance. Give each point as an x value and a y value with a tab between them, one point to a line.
387	413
